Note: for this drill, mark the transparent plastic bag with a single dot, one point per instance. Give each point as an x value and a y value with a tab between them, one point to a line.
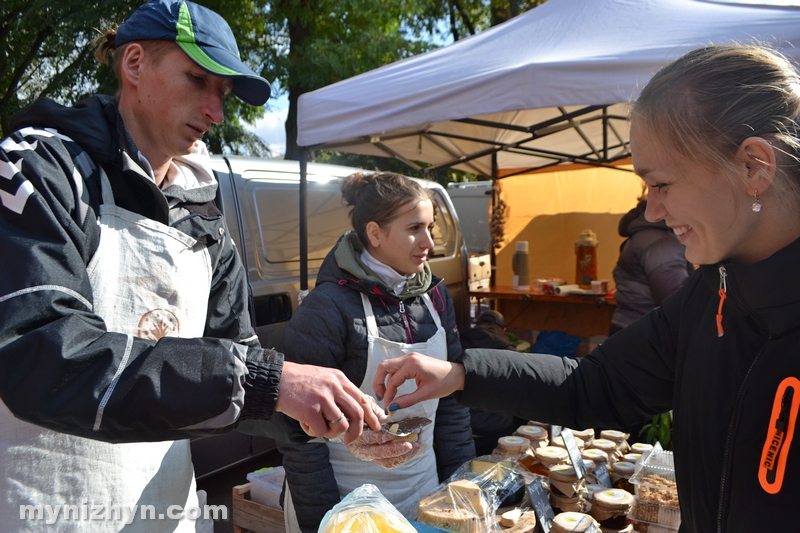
468	501
365	510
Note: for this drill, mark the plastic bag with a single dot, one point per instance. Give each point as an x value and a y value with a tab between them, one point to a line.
365	510
468	501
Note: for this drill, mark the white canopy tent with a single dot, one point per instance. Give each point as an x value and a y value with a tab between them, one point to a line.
544	88
540	89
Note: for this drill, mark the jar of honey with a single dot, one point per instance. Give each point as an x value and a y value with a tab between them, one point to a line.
586	259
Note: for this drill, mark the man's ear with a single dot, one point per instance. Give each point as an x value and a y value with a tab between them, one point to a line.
759	159
373	231
131	65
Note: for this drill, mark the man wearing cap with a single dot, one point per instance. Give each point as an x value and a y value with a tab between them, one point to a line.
124	327
488	333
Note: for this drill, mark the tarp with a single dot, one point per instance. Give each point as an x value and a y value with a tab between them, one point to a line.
543	88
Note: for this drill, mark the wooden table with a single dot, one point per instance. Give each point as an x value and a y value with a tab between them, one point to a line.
583	316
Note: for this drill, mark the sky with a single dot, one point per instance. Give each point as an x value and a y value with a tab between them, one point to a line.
271	127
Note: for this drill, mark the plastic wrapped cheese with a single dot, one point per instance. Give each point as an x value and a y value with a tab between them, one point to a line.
365	510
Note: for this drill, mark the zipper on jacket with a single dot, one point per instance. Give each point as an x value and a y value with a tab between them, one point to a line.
723	293
731	427
409	337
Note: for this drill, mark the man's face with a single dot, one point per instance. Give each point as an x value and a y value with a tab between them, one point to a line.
177	103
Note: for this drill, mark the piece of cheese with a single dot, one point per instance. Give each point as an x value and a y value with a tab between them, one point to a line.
496	470
367	519
411	437
510	518
438	511
466	494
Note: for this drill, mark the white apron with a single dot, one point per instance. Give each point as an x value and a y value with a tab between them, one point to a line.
149	280
405	484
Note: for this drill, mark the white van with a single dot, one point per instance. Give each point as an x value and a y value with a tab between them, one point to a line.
260	201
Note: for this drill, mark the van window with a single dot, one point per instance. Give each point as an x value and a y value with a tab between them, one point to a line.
278	213
444	234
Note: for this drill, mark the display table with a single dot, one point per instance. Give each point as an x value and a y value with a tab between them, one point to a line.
583	315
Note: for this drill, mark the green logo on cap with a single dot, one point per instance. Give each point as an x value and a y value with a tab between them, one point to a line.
186	40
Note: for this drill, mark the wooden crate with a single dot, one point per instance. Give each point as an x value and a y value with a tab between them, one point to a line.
249	516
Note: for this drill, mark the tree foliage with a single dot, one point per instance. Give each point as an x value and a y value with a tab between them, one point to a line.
299	45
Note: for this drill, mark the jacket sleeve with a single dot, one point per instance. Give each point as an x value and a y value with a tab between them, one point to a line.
315	335
665	266
625	381
59	366
452	434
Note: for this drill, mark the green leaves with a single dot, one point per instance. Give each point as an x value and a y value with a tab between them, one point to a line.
659	430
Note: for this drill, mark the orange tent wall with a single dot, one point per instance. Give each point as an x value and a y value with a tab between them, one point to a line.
549	209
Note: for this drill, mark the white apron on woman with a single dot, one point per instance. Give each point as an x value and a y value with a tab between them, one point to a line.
148	280
406	484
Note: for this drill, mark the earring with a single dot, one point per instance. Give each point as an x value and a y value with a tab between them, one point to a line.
756	207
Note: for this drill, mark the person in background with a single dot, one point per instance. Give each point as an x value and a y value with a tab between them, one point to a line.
652	265
488	332
715	137
488	427
124	327
375	299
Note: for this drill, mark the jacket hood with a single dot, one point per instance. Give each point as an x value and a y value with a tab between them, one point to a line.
344	263
634	221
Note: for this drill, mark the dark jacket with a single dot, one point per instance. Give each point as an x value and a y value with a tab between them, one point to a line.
652	265
329	329
725	391
56	357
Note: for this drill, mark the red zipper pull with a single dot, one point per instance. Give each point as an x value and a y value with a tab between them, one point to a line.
723	290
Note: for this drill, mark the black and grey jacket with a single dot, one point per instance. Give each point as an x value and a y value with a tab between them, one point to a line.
329	330
652	265
56	357
734	397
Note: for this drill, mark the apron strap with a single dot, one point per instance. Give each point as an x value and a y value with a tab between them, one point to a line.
372	325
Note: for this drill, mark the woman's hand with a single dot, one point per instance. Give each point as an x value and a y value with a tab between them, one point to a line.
434	378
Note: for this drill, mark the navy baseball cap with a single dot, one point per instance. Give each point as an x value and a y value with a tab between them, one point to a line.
203	35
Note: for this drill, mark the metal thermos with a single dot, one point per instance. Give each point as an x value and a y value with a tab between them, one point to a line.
519	264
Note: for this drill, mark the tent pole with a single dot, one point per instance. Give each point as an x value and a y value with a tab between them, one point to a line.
303	223
492	256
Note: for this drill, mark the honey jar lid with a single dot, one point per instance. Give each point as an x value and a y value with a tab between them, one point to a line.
613	499
513	443
632	457
613	434
595	455
532	432
563	473
550	453
571	522
604	444
641	447
624	468
591	489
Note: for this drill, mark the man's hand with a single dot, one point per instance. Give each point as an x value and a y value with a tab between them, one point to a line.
325	402
434	378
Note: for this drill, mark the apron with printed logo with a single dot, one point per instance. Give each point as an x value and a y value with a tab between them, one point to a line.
406	484
148	280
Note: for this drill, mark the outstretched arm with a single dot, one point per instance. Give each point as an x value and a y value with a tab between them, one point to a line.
434	379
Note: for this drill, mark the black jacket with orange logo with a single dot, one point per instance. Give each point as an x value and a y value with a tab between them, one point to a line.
734	397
